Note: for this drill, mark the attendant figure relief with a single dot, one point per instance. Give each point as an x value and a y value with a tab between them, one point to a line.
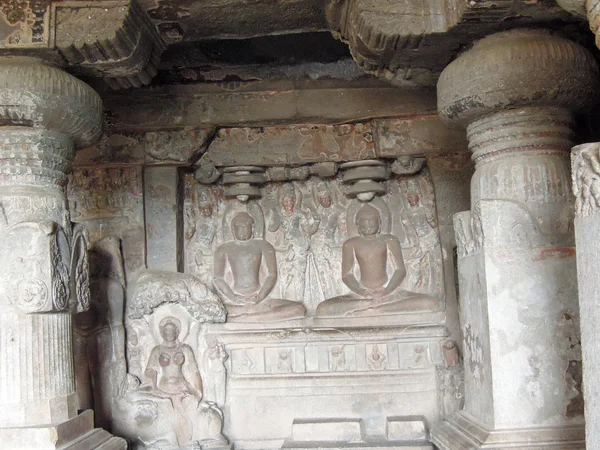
373	269
99	334
419	222
325	244
245	272
377	360
294	227
216	373
202	227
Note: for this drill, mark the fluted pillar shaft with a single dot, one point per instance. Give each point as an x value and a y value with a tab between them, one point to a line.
516	254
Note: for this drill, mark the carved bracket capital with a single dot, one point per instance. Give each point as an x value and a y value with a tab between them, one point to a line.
110	39
107	39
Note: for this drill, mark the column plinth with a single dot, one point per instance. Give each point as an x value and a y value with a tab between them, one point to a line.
516	255
45	114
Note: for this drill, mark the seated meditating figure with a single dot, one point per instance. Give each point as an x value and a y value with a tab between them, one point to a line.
252	266
174	375
378	258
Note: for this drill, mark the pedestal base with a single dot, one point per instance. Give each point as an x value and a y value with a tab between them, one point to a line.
341	388
461	432
75	434
359	446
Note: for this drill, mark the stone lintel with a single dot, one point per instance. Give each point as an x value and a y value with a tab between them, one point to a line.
277	102
277	146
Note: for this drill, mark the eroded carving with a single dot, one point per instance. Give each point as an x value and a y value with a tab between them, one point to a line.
99	334
585	161
108	201
154	288
164	406
450	375
36	280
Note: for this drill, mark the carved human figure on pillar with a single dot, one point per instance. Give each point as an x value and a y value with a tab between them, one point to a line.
378	258
245	272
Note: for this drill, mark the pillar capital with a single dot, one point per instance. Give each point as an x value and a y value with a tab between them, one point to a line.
517	69
36	94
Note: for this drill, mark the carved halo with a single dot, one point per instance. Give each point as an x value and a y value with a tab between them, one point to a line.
162	316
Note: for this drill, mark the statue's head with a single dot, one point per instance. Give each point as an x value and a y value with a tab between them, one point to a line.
169	329
211	341
323	194
288	198
242	226
368	220
413	199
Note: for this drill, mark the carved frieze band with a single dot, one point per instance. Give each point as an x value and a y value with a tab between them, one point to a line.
585	166
331	357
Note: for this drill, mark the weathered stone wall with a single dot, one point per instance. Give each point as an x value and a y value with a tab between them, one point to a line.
138	185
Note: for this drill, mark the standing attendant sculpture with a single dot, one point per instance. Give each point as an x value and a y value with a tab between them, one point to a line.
245	272
378	258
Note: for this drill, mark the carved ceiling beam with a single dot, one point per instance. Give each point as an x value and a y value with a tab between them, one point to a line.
109	39
404	40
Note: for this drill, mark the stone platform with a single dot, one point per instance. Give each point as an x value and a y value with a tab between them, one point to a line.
323	387
463	432
76	434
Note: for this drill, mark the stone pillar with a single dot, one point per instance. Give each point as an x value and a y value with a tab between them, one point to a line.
516	92
45	114
586	186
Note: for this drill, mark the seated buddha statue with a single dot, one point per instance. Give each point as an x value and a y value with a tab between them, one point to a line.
381	270
245	272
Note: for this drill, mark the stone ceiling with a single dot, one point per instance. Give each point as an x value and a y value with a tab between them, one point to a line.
216	40
190	41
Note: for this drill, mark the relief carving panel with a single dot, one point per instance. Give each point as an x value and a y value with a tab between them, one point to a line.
108	201
273	258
